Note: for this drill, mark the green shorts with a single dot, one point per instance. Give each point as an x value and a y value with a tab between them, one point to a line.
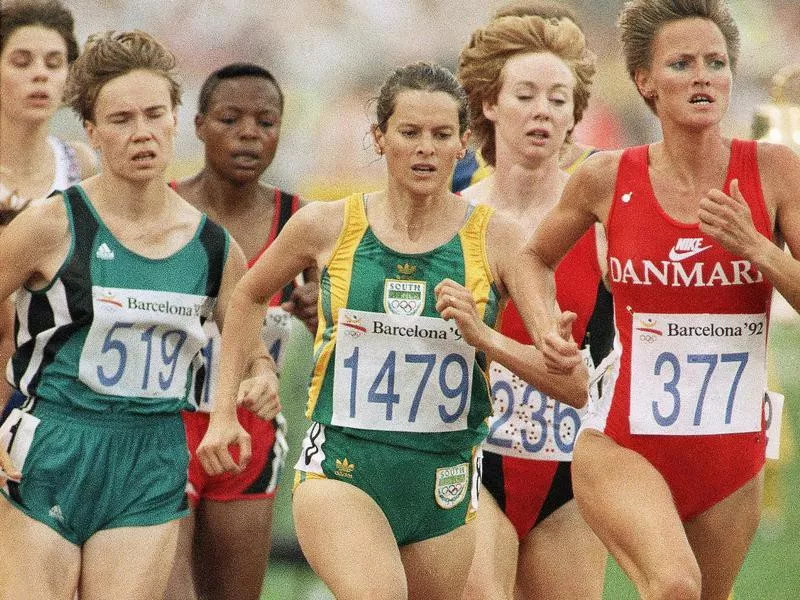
422	494
83	472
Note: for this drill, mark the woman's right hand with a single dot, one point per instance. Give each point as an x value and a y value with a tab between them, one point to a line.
561	353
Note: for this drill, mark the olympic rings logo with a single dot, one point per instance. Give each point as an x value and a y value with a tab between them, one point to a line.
403	306
647	337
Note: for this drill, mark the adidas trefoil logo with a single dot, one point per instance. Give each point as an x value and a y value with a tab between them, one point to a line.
55	512
406	270
104	252
344	468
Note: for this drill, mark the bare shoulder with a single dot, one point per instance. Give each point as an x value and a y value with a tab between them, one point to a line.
320	219
776	160
505	231
598	171
779	168
87	159
590	189
46	217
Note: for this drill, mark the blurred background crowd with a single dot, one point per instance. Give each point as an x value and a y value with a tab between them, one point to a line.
331	55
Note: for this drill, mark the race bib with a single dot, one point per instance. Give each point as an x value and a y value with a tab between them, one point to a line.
275	333
773	414
697	374
529	424
400	373
141	343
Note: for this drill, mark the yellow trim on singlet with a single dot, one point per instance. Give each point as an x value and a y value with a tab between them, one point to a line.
578	161
477	274
340	271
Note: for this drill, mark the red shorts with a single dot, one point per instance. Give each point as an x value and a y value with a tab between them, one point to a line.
527	491
260	478
700	470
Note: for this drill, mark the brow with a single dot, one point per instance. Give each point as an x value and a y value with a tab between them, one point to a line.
149	109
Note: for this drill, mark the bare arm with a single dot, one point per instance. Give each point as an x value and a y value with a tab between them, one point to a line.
32	248
531	276
306	237
505	238
6	347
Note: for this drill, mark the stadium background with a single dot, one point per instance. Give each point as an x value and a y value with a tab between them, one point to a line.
330	56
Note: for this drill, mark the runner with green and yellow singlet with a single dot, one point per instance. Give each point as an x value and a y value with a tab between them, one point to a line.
398	398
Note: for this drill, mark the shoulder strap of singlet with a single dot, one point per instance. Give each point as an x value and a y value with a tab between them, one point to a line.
286	205
84	225
477	273
216	243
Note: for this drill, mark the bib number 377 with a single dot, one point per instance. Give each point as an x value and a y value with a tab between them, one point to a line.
697	374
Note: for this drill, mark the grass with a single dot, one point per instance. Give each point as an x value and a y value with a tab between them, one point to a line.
770	572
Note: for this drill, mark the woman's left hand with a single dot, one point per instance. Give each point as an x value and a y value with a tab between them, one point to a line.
213	452
729	221
454	301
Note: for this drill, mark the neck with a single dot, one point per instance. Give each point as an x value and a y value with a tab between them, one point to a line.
524	189
413	214
23	146
130	200
224	196
689	154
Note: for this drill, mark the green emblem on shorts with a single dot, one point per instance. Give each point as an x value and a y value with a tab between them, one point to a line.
404	297
451	485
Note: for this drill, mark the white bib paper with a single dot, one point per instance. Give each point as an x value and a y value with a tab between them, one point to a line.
697	374
141	342
529	424
401	373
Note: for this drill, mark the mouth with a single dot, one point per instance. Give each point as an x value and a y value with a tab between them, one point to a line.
144	156
39	96
538	133
423	168
246	158
701	99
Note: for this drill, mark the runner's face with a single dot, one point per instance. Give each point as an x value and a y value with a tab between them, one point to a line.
241	128
134	125
422	141
33	72
689	73
534	107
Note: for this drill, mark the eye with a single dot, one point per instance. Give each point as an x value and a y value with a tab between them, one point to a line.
55	61
408	133
227	120
156	114
21	59
717	64
444	135
267	123
524	97
679	65
558	101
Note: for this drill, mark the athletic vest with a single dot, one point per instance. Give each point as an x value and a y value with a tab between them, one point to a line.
387	368
115	331
691	317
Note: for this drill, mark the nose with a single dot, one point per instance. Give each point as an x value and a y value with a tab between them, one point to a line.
701	75
541	107
40	70
249	128
141	131
425	145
